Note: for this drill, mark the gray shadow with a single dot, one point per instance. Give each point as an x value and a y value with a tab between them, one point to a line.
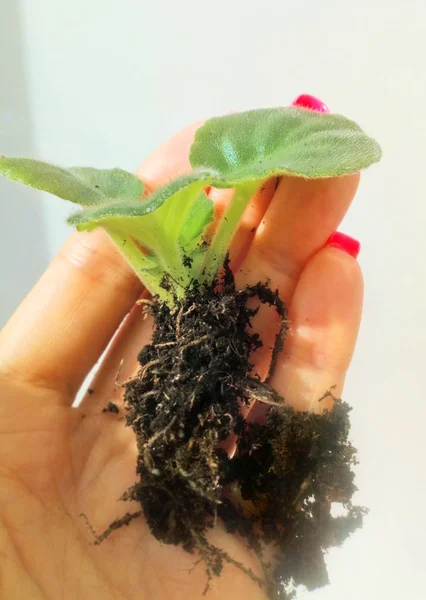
23	244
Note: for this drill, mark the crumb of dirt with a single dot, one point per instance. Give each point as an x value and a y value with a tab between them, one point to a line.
111	408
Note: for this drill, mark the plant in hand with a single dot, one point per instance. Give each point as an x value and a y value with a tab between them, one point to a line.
196	380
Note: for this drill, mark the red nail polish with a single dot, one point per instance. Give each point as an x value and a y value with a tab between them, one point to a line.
344	242
310	102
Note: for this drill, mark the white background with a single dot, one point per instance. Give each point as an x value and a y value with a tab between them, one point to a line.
102	83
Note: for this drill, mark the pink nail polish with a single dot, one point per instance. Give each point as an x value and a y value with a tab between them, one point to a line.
311	103
344	242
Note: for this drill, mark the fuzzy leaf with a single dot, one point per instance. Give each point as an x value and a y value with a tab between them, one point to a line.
84	186
112	183
125	210
262	143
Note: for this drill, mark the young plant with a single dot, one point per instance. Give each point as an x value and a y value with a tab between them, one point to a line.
162	234
196	373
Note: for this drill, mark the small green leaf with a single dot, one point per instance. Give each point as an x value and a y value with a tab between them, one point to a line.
262	143
199	216
84	186
201	177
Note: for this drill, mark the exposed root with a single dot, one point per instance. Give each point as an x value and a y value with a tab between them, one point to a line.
329	394
196	342
144	301
178	320
166	345
117	376
145	448
117	524
214	558
261	392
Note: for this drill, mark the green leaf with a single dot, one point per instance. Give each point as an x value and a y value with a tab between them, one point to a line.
262	143
84	186
199	216
112	183
140	208
202	178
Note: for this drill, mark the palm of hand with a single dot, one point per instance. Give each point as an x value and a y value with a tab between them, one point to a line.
57	462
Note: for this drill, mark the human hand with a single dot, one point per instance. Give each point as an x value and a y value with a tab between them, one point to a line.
57	461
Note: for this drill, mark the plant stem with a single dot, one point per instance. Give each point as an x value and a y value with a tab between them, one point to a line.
142	265
216	254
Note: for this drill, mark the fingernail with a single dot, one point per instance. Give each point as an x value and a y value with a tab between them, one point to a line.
344	242
310	102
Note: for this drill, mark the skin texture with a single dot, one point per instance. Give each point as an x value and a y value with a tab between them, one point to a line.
57	461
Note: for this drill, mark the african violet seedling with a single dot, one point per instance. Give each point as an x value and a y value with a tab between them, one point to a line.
196	374
163	233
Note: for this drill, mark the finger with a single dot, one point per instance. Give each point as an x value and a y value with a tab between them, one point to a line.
297	223
169	160
64	324
324	314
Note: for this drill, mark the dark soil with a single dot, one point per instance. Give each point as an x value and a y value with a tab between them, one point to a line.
278	488
111	408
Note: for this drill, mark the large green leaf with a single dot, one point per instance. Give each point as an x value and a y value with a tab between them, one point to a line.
84	186
262	143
